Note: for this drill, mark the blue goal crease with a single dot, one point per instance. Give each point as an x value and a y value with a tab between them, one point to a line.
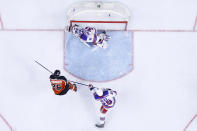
100	64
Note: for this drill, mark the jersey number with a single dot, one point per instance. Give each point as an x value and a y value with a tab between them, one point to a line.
57	86
109	102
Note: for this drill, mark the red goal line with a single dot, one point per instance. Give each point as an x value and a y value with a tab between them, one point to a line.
116	22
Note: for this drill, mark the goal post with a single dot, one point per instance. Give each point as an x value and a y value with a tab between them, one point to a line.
101	15
102	25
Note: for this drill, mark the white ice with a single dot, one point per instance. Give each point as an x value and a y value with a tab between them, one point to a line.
158	95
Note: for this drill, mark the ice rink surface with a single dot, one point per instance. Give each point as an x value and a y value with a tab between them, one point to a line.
158	95
111	63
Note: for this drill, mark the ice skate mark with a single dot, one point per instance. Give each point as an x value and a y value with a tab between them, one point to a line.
64	48
101	81
132	55
4	29
195	24
131	65
6	122
39	30
1	23
144	30
189	123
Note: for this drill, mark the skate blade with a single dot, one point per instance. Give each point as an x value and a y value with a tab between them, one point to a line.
99	126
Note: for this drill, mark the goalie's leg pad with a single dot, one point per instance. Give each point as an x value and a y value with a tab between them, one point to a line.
76	30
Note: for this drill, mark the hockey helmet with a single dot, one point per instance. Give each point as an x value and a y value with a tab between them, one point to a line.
99	91
56	73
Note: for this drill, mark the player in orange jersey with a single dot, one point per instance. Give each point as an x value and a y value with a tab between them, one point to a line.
60	84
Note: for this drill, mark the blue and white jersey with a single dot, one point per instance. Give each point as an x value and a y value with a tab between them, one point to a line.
107	99
88	34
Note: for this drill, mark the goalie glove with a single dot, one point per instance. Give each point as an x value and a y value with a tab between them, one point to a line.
103	44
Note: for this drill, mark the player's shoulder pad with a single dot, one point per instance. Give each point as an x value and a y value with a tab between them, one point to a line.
52	77
105	93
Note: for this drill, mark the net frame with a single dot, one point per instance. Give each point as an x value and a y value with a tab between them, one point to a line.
117	22
99	13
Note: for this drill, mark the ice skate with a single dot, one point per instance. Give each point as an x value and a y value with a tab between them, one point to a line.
100	125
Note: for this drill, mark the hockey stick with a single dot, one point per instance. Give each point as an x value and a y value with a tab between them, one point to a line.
52	73
78	83
43	67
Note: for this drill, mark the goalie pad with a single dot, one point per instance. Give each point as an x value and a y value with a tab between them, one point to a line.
77	31
89	35
102	40
102	45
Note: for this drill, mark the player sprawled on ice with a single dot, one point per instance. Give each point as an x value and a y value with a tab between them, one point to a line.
60	84
107	99
89	36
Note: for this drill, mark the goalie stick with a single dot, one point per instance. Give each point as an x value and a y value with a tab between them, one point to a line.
68	28
52	73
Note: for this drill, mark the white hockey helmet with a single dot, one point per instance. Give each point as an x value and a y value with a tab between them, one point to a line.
99	91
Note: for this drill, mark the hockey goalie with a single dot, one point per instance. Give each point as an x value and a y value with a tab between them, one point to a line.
89	36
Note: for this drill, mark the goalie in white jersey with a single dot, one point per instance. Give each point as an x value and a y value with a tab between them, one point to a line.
89	36
107	99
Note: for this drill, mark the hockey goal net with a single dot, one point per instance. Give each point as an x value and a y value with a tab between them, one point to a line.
101	15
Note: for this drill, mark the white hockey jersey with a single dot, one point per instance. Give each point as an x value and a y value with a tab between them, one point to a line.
108	99
89	36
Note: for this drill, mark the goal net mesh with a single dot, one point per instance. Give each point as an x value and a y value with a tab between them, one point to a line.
101	15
